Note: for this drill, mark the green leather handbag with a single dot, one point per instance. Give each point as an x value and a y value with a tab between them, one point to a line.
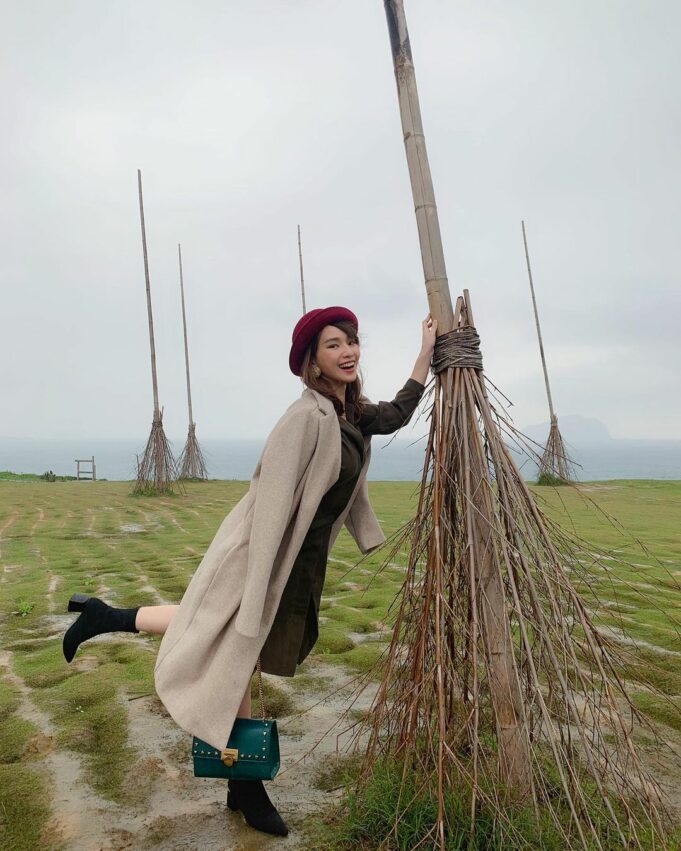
251	753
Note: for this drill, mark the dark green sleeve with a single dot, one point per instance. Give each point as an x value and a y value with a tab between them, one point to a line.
387	417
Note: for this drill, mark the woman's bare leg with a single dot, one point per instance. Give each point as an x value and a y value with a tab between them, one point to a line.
155	619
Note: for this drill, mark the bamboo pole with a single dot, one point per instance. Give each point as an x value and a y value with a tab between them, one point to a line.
157	413
186	347
514	763
302	279
432	255
536	320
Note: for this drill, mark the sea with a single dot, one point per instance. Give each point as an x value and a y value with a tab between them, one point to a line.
391	460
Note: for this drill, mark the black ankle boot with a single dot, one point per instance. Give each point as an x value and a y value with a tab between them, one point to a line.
250	797
96	617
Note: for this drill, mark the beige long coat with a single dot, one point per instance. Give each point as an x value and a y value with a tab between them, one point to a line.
209	652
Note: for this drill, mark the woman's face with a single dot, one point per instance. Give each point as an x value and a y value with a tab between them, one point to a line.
336	355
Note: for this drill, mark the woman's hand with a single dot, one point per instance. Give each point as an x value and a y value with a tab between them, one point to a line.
429	333
422	365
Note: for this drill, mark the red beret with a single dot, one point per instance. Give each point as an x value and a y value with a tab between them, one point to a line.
310	324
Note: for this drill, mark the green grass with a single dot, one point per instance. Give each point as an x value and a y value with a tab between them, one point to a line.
24	790
365	819
95	537
551	480
47	476
15	731
335	771
664	710
24	808
88	708
14	735
9	700
9	476
24	607
278	704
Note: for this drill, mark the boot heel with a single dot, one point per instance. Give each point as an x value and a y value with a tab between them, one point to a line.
231	803
77	602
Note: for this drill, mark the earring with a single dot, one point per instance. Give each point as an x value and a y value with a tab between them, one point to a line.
316	371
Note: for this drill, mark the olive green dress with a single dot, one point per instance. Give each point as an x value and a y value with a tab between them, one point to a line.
296	625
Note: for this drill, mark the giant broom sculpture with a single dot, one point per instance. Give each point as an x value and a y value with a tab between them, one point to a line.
157	471
554	463
496	685
192	464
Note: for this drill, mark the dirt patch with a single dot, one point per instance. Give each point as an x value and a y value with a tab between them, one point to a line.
318	730
638	643
352	586
178	525
363	637
52	586
37	745
11	520
39	519
169	808
165	807
148	588
85	663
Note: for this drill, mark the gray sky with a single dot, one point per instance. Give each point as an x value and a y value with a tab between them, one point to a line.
249	118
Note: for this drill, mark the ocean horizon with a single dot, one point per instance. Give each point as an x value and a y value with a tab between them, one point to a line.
397	460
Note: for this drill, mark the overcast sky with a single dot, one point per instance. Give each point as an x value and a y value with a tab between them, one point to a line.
248	118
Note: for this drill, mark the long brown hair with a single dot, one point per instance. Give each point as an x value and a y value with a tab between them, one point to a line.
354	400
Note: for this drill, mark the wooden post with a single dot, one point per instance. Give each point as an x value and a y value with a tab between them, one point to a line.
536	320
302	279
148	286
94	471
186	348
514	762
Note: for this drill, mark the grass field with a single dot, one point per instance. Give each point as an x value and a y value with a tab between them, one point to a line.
75	739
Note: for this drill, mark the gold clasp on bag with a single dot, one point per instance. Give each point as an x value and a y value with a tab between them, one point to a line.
229	756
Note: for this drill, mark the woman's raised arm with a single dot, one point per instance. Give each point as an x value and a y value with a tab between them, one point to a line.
422	365
387	417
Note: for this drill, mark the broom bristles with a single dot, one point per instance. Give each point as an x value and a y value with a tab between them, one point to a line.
555	461
493	643
157	471
192	463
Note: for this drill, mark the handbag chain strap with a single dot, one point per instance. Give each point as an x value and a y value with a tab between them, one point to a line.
261	699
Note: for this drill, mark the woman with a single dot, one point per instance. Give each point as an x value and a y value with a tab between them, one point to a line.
257	590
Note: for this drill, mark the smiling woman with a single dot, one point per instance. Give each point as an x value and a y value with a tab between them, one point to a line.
326	357
257	592
330	357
